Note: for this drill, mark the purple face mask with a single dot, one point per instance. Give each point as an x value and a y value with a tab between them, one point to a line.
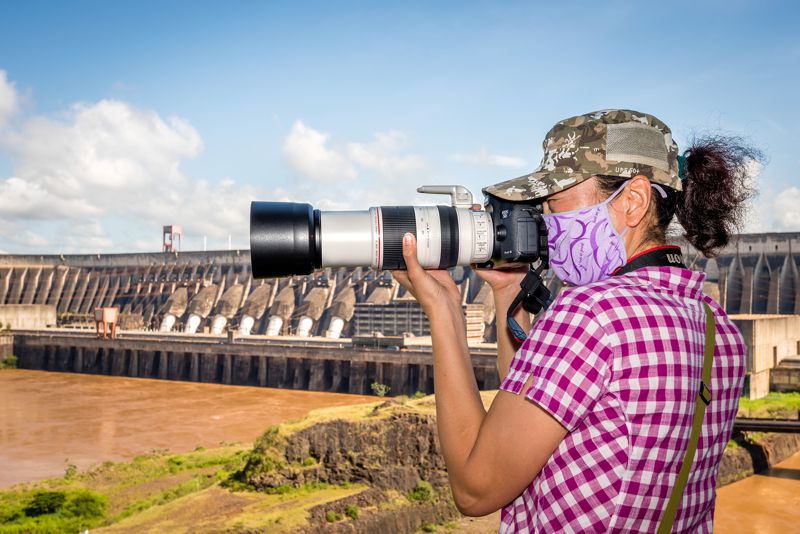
583	244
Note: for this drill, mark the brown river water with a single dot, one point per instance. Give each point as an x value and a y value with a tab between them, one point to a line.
50	420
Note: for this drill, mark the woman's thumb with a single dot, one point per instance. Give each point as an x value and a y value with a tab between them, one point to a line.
410	253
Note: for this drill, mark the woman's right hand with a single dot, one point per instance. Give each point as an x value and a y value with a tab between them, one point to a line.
504	282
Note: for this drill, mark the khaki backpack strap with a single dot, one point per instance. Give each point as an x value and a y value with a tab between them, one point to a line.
703	399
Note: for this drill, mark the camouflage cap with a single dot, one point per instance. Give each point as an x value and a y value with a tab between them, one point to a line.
612	142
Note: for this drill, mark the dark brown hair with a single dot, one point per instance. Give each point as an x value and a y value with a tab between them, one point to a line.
715	191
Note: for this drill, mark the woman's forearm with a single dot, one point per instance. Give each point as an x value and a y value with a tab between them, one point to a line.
459	409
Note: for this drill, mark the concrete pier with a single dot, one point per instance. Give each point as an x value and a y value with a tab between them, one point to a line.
289	364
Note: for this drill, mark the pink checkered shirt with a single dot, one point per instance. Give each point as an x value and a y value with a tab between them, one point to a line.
618	363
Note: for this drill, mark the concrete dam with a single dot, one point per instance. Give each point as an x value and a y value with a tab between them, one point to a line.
294	364
202	316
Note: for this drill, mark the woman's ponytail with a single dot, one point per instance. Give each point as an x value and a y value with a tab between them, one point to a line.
715	190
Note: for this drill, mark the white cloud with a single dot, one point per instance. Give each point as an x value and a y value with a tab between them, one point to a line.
347	175
381	155
86	235
758	211
311	154
306	150
109	165
787	209
771	210
9	99
21	238
484	157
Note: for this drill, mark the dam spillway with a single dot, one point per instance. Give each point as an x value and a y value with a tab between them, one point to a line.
193	299
214	291
290	364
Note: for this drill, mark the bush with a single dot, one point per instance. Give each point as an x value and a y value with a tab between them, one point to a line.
418	395
332	517
352	511
45	502
309	461
54	511
428	527
422	492
11	362
380	389
86	504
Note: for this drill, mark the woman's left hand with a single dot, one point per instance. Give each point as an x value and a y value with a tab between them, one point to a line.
432	289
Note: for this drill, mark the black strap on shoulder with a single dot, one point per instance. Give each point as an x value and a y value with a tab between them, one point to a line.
663	256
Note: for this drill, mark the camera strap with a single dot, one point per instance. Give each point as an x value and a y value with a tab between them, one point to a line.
663	256
534	297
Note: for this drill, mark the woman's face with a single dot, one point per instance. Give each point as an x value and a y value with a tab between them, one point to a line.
578	196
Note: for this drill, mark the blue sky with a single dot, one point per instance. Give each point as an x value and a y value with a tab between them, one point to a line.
116	118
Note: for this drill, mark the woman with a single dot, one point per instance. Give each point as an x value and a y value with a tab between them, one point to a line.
594	415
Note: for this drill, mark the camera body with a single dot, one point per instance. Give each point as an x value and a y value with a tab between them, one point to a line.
520	235
295	239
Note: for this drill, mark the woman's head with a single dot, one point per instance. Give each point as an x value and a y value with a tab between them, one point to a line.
589	157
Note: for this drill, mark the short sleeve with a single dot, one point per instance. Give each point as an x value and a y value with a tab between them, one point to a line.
569	356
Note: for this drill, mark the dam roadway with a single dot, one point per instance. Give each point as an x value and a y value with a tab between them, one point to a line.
279	362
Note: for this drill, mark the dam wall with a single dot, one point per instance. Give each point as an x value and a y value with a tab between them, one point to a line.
27	316
329	367
215	290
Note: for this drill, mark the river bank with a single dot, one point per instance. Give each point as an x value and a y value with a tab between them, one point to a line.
362	468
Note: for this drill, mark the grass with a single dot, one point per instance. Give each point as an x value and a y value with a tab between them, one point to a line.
422	492
51	511
773	406
110	492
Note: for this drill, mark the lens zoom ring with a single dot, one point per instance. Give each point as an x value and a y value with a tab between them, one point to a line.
397	220
449	224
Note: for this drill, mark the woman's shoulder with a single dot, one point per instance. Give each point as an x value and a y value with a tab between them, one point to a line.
590	297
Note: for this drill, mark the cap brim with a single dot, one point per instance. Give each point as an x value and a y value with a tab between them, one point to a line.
535	185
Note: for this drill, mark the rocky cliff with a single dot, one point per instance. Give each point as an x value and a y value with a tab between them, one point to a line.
392	449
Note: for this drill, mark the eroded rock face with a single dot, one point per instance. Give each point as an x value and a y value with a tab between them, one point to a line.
395	447
755	455
391	452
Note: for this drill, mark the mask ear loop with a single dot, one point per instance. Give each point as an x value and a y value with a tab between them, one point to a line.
659	189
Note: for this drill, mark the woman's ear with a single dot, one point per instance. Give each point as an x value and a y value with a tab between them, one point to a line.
636	198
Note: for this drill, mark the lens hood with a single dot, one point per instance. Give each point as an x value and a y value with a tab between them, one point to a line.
284	239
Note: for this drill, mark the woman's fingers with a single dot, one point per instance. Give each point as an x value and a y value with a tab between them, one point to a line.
500	278
402	279
413	267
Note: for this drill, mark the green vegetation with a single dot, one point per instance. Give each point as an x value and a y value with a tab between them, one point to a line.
380	389
418	395
422	492
428	527
112	491
773	406
68	510
194	484
332	517
10	362
351	511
